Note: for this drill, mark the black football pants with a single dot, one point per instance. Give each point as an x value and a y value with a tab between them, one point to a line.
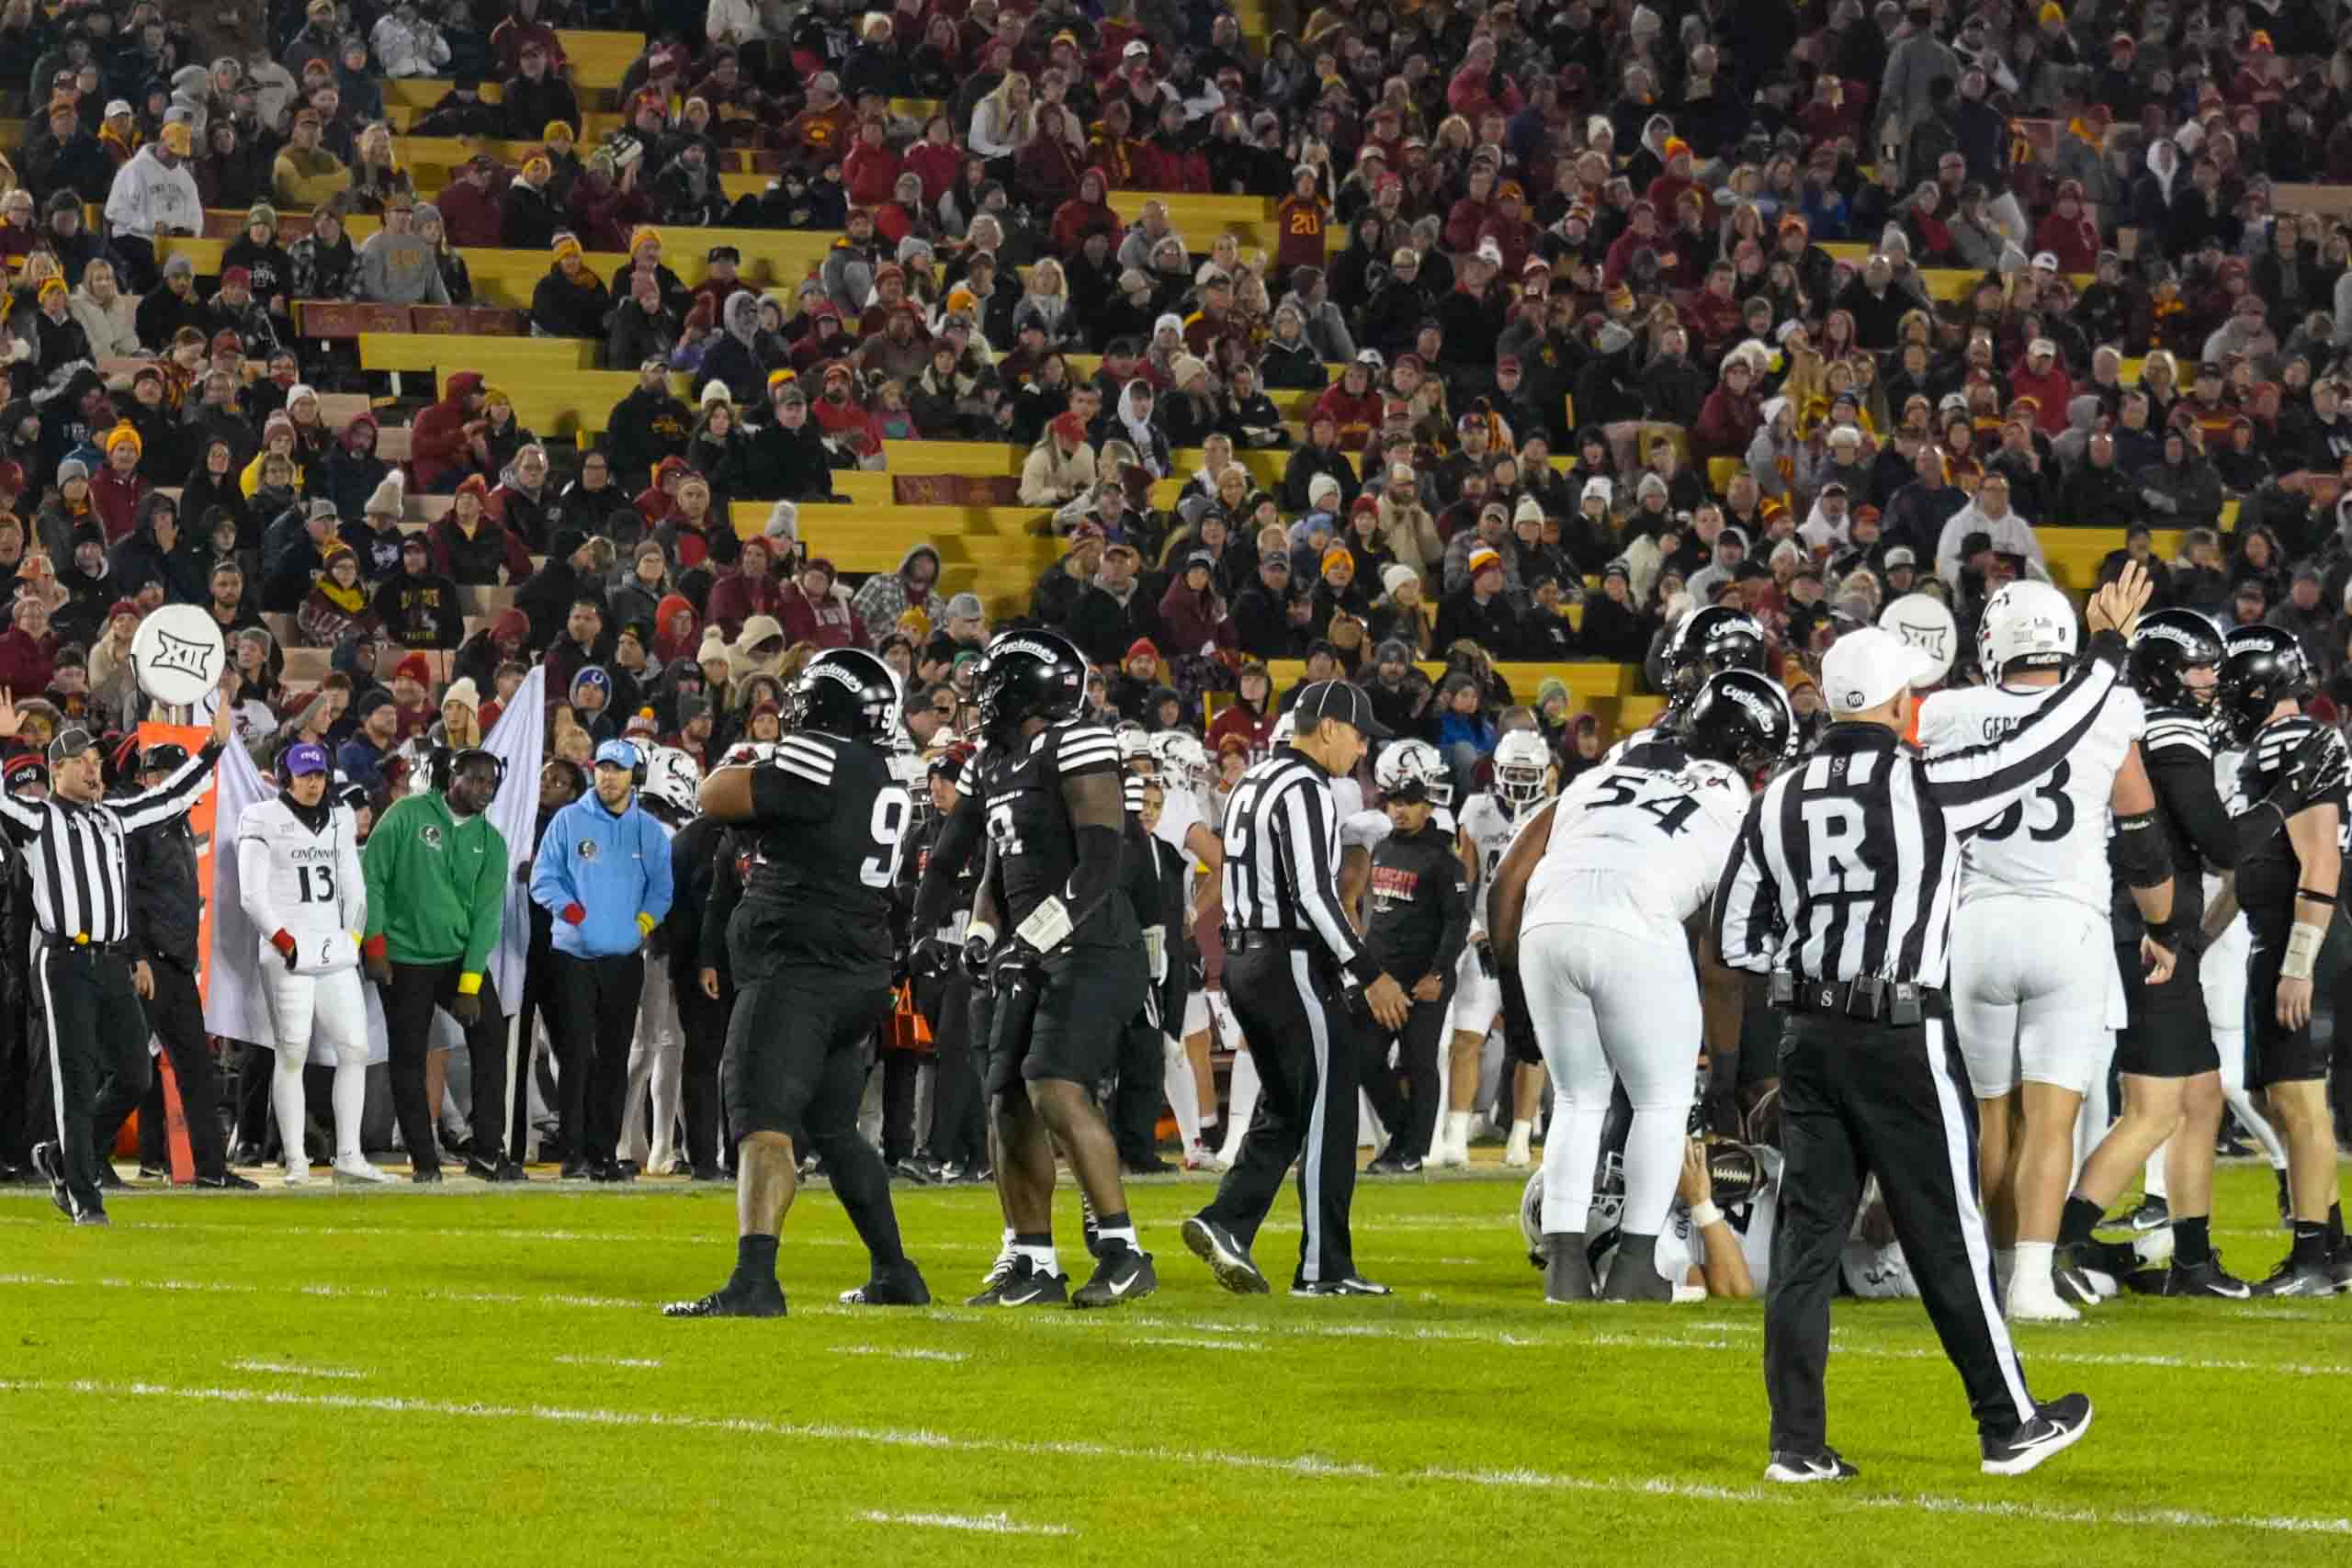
596	1018
97	1034
175	1015
417	989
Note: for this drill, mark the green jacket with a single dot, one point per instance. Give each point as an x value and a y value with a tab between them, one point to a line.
436	886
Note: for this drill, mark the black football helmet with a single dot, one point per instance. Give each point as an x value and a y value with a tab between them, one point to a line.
848	692
2261	666
1708	640
1740	719
2167	645
1030	674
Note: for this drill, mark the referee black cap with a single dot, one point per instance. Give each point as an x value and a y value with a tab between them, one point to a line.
72	742
1340	700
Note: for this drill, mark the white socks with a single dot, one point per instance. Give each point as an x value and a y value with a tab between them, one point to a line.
286	1096
1044	1258
1453	1137
2151	1179
350	1101
1183	1089
1518	1151
1242	1099
2032	1279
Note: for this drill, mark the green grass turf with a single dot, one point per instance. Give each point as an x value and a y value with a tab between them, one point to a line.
323	1377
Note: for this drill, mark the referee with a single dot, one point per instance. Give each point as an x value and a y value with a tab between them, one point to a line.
73	843
1293	967
1841	886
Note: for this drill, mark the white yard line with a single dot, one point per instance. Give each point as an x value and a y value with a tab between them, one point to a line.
638	1363
984	1524
283	1369
885	1351
1310	1465
1195	1344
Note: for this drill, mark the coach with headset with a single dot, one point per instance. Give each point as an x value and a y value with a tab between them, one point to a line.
603	871
436	869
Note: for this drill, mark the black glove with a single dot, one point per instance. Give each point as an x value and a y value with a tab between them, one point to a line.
1014	963
976	960
934	958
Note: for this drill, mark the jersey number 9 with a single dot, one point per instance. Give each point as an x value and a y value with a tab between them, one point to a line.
891	808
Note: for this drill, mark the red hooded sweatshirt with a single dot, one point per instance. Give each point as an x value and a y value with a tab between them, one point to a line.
1084	213
437	445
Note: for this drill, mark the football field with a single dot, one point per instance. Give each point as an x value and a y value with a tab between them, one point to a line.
481	1375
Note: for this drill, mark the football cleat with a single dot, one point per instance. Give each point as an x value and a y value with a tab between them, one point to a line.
2153	1214
2339	1269
50	1166
1126	1275
1633	1273
1567	1271
1200	1157
91	1217
2056	1426
425	1176
1393	1164
2293	1278
2206	1279
993	1285
1346	1285
1227	1257
297	1175
731	1300
901	1286
226	1181
1797	1470
1028	1285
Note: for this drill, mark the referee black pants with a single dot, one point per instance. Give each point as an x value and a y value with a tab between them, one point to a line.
97	1053
596	1018
409	1003
1301	1033
1860	1097
175	1015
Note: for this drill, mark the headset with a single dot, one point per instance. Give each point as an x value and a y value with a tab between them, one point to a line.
447	762
637	770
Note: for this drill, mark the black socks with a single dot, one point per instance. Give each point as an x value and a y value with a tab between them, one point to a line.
2192	1241
754	1260
2074	1227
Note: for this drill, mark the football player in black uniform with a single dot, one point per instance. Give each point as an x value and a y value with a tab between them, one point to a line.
1059	944
2171	1071
812	959
2287	885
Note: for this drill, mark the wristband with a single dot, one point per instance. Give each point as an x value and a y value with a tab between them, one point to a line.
374	946
2167	935
1705	1213
283	939
2307	895
469	984
573	914
980	931
2303	950
645	923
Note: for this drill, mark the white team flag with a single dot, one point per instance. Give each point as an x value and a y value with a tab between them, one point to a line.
519	740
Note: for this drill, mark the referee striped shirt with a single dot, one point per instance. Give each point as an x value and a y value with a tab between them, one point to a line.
1848	865
1282	858
74	853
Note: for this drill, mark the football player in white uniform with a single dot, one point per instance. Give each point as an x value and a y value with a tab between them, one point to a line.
1183	766
1524	774
657	1055
299	881
2036	993
1590	906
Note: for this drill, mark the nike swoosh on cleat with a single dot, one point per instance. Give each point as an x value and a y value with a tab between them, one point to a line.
1124	1286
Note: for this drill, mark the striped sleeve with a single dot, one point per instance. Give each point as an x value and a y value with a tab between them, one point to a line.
967	777
1085	749
1976	784
1747	915
2177	732
805	758
1309	843
168	799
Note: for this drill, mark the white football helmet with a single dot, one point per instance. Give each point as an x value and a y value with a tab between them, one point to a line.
1522	770
748	754
673	778
2029	624
1412	770
1182	760
1136	754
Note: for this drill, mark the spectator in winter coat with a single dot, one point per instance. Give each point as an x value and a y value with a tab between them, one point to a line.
888	595
748	589
418	607
156	552
473	549
814	614
440	440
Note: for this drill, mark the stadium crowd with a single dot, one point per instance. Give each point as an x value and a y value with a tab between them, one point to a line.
1633	309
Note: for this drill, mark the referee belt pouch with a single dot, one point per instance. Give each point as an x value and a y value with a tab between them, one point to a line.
1268	941
1871	999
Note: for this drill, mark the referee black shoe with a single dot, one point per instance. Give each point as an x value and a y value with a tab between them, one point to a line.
505	1172
1227	1257
900	1285
733	1299
226	1181
1028	1285
1794	1468
2056	1426
2206	1279
2293	1278
50	1166
1346	1285
1126	1274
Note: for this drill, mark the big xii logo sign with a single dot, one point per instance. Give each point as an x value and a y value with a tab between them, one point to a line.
181	655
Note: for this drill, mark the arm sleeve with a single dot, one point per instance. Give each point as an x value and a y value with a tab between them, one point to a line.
28	821
253	880
1452	884
1977	784
1747	903
488	901
1307	828
171	797
660	889
353	881
2183	777
551	868
1097	813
